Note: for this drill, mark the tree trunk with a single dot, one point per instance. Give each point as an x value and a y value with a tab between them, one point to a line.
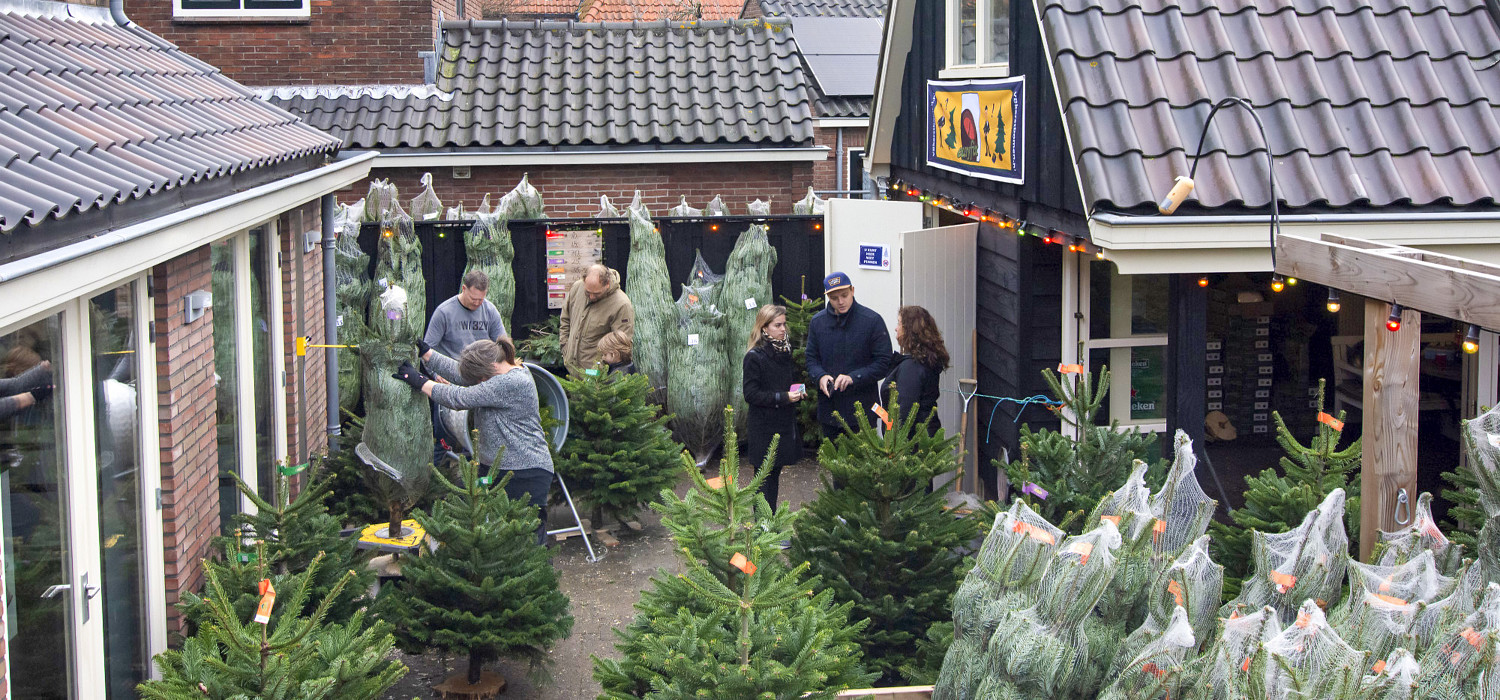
476	667
393	530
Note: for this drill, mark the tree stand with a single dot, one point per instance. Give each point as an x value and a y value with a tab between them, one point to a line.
577	522
457	686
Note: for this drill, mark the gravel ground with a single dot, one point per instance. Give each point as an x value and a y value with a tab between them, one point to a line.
602	594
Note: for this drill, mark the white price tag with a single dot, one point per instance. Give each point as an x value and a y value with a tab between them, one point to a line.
430	217
692	339
750	303
339	321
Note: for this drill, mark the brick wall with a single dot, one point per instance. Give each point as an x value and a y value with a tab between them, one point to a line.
574	190
306	392
370	42
825	173
187	418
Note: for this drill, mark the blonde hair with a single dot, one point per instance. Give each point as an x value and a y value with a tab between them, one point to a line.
763	318
477	362
617	342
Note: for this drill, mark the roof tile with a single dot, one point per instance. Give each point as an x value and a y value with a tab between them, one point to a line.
823	8
655	10
1375	102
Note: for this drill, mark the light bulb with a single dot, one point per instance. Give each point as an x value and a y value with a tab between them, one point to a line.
1333	301
1203	281
1277	283
1471	339
1393	322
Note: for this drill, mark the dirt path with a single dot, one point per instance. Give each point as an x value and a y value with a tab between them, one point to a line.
603	595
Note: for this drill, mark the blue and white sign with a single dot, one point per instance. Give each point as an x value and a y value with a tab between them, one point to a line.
874	257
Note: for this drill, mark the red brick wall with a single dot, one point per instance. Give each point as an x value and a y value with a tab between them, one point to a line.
187	415
369	42
574	190
306	392
825	173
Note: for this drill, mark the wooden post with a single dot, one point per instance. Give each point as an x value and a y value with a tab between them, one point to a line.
1391	396
1187	363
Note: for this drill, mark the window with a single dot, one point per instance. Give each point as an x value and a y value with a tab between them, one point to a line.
979	36
240	9
858	183
1127	332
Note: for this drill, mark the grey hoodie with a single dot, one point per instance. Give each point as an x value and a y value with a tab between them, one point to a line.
506	411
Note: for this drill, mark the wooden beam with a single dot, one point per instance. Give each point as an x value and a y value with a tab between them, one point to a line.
1392	367
1187	365
1457	288
910	692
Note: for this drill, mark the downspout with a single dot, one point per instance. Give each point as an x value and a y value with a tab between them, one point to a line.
330	321
117	11
838	176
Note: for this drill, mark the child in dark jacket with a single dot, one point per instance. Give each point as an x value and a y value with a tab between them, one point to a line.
771	400
615	350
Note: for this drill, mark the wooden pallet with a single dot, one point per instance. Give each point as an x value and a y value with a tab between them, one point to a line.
457	686
910	692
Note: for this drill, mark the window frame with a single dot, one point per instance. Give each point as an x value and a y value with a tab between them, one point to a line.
952	67
184	9
1119	344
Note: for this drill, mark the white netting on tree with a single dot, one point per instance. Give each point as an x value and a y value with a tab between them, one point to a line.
703	276
490	249
760	208
1463	661
811	204
746	286
523	202
1482	435
1193	582
351	267
399	263
716	207
697	378
607	208
484	206
1309	660
1421	535
1155	665
683	209
1129	509
380	199
1080	572
1226	670
649	288
1181	508
454	213
1305	563
426	206
1395	607
1393	677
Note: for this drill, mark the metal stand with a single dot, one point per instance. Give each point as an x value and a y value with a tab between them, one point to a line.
577	522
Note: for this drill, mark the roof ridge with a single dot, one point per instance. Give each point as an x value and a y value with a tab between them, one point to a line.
1259	151
1275	56
1260	105
1207	8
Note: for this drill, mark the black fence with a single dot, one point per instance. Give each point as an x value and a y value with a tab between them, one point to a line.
798	240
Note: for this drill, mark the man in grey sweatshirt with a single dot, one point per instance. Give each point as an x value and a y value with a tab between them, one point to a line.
462	319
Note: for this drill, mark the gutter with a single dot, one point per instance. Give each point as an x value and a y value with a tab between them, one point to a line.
1224	219
330	321
117	11
432	159
12	271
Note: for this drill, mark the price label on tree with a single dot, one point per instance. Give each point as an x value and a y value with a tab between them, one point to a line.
750	303
692	339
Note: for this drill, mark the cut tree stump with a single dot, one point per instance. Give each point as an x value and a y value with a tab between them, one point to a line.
457	686
633	525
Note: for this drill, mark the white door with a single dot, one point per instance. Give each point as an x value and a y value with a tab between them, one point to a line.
875	226
937	273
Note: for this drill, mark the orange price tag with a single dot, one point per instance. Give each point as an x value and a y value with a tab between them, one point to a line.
1284	582
1070	369
1303	619
1034	532
1385	586
1175	589
1083	550
1393	600
884	417
716	482
1245	666
739	561
1331	422
267	600
1379	666
1154	670
1112	518
1158	529
1473	638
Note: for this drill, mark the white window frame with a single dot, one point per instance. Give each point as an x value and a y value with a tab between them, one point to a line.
953	68
249	466
180	12
1119	344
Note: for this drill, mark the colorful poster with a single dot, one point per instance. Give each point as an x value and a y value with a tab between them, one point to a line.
569	255
975	127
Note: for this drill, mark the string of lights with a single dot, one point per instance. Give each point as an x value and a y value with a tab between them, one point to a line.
984	215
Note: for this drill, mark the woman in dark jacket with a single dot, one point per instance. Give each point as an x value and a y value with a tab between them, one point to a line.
769	373
922	359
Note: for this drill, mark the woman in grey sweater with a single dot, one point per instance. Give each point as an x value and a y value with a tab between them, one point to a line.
488	380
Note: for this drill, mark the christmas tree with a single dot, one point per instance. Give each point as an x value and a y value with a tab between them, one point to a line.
885	541
798	315
489	589
1059	475
740	623
1275	503
619	453
290	656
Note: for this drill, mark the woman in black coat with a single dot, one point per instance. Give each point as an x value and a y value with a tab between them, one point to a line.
769	373
918	366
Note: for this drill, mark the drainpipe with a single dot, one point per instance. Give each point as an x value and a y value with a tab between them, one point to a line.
117	11
838	176
330	321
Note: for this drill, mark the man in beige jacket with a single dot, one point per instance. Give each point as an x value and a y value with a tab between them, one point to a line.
595	306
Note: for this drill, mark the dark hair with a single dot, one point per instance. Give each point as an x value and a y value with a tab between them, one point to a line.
477	362
476	279
918	336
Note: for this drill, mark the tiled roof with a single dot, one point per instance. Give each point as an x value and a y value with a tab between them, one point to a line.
844	107
94	114
823	8
654	10
542	84
1374	102
539	7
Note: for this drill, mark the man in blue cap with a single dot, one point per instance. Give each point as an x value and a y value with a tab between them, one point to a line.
848	351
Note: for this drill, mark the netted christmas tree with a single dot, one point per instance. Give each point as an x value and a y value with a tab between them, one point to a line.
1421	536
619	452
351	270
811	204
885	541
523	201
426	206
648	286
1276	502
1076	473
489	249
397	434
1482	440
291	656
798	315
1304	563
697	375
739	623
746	286
398	263
488	589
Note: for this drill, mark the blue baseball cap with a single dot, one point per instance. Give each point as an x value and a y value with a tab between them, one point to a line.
835	281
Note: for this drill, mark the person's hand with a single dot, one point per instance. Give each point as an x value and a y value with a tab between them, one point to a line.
842	382
410	375
796	396
41	393
439	379
422	349
826	384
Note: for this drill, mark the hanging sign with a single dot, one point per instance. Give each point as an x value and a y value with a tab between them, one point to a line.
874	257
975	127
